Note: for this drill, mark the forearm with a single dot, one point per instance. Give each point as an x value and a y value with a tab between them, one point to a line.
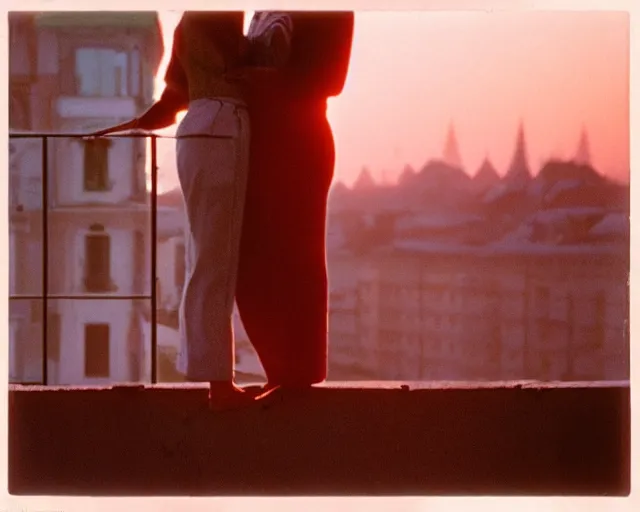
175	96
163	112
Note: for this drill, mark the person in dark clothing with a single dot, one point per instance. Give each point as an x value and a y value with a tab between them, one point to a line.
297	60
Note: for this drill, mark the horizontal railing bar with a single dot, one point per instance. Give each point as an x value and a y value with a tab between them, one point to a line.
58	135
80	297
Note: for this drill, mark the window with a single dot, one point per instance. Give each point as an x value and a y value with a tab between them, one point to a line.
97	276
101	72
96	350
96	165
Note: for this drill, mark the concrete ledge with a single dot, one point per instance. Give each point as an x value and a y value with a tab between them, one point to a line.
498	439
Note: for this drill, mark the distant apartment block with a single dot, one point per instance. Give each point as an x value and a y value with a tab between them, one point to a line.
421	315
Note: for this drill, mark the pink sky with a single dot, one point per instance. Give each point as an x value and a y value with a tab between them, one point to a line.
412	73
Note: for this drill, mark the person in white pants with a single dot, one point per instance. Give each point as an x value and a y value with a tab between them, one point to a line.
212	158
214	203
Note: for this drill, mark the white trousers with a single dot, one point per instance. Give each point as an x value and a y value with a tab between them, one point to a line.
213	178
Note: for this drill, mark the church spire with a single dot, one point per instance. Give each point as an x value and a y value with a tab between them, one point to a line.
451	153
519	169
583	154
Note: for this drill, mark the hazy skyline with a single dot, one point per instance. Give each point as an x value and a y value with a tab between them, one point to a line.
412	74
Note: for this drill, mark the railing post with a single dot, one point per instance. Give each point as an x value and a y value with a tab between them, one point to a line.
154	242
45	259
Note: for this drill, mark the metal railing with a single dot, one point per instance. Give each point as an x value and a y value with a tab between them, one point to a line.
45	295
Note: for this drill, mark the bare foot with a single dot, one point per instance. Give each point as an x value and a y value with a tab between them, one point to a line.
254	389
225	396
271	388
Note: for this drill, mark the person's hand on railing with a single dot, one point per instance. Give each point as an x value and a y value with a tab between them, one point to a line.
133	124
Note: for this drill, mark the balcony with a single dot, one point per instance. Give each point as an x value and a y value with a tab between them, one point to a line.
356	438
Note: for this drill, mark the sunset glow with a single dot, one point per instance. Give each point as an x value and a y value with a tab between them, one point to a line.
414	73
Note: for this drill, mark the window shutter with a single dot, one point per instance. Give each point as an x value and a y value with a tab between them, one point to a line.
97	350
96	165
97	262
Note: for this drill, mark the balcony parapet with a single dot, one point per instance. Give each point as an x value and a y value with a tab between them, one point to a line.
382	438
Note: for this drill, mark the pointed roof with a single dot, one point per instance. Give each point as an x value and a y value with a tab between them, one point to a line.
487	172
339	187
519	172
407	173
364	180
451	154
438	173
487	177
583	154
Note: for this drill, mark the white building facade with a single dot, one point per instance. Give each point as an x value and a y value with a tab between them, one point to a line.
73	73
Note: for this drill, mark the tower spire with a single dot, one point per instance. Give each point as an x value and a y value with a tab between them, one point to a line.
451	153
583	154
519	169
